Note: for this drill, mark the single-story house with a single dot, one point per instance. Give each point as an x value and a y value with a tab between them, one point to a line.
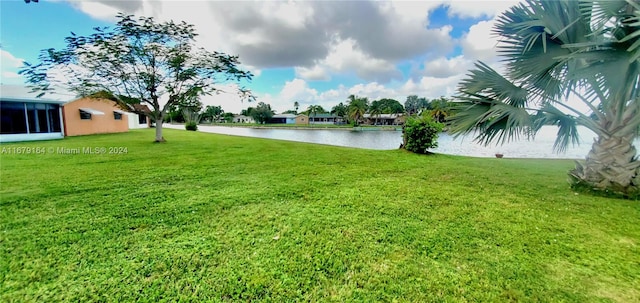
283	119
289	119
243	119
324	119
86	116
27	119
385	119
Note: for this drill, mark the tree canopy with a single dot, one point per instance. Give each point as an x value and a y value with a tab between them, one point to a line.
212	113
261	113
340	110
388	106
313	110
155	63
413	105
356	108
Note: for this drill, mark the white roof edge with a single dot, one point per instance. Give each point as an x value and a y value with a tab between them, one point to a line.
31	100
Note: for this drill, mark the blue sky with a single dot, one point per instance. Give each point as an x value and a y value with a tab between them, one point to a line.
313	52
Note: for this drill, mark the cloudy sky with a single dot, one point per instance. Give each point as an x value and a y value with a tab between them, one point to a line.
313	52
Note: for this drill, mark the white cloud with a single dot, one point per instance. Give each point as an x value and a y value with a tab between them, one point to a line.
9	75
297	90
346	57
446	67
479	43
316	72
431	87
227	99
97	10
8	60
477	9
414	10
299	33
291	14
322	39
9	66
372	90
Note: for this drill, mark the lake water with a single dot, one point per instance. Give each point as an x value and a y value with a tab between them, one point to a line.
541	147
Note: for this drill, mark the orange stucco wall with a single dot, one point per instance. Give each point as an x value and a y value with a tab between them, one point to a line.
99	124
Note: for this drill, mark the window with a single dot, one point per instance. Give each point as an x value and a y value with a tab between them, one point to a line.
29	118
14	119
53	112
117	116
85	115
38	122
142	119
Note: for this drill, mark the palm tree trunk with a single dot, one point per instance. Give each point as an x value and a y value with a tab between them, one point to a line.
611	166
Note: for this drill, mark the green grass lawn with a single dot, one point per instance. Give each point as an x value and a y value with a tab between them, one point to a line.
208	217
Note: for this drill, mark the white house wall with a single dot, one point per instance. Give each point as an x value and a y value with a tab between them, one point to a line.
133	122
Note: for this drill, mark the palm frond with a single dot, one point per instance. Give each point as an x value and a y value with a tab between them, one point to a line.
567	126
484	79
536	37
489	119
619	20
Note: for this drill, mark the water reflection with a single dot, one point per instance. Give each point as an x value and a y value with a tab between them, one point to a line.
541	147
338	137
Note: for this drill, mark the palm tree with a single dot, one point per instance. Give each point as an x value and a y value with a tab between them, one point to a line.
553	50
313	110
375	110
356	108
439	109
340	110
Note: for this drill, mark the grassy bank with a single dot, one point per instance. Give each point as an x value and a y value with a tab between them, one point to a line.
209	217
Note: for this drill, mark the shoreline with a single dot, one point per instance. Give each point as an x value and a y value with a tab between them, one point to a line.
354	128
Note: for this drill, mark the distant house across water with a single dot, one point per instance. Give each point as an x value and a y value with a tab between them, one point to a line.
385	119
325	119
243	119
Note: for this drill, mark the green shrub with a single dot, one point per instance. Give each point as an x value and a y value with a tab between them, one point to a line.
420	134
192	125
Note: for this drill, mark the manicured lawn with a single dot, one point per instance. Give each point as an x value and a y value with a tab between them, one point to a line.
209	217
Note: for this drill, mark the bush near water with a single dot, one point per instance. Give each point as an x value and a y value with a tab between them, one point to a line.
421	134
